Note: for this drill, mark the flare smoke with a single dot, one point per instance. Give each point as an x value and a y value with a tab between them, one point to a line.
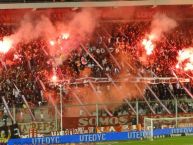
79	27
161	24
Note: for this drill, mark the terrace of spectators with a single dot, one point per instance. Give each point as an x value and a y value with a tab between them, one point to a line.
30	67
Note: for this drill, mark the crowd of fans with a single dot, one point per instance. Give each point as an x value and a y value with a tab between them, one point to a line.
26	69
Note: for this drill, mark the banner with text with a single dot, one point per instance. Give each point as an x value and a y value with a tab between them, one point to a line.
111	136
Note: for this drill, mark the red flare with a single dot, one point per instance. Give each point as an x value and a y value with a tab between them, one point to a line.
54	78
5	45
148	45
185	59
52	42
65	35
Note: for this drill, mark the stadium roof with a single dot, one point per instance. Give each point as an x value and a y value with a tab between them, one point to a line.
95	4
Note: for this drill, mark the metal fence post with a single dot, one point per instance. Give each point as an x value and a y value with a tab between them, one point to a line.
97	115
61	110
14	114
137	111
56	117
176	111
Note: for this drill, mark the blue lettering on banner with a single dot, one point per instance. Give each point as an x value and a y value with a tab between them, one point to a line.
182	130
110	136
92	137
135	134
46	140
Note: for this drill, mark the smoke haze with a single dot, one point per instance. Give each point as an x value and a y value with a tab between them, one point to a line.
80	27
161	24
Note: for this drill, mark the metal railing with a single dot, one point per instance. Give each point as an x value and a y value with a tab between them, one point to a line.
50	116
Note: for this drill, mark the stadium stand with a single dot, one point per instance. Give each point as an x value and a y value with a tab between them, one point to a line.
102	63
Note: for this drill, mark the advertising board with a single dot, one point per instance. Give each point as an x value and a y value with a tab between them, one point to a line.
101	137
